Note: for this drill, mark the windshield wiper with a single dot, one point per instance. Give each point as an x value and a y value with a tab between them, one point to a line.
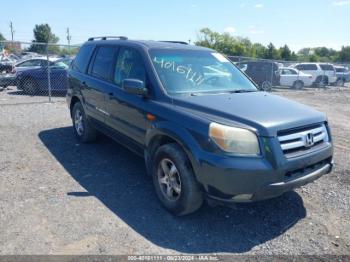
241	91
222	92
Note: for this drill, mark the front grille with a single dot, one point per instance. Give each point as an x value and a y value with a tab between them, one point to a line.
297	141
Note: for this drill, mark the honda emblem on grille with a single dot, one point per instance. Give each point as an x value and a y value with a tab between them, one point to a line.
309	140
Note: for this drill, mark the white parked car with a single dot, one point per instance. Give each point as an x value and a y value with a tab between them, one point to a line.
294	78
324	74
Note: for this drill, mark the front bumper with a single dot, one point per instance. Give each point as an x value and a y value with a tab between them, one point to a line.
276	189
7	80
231	180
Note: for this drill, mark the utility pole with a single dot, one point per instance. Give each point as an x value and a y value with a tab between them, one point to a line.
69	37
12	30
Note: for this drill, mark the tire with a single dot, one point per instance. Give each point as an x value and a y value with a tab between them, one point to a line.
29	86
266	86
340	82
321	81
185	195
83	130
298	84
325	81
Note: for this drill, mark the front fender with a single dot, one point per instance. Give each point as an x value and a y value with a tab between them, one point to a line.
181	135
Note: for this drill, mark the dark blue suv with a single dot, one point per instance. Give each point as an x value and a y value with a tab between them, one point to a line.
203	128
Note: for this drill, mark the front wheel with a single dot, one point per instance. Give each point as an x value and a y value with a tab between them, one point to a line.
30	86
82	128
174	181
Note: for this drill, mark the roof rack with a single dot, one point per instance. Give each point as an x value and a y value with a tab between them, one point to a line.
107	37
175	42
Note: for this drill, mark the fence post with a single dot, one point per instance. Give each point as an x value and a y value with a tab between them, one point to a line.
48	71
272	73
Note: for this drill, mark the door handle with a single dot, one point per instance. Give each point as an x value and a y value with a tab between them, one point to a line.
83	84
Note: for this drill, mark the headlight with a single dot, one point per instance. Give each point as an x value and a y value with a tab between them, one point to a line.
234	140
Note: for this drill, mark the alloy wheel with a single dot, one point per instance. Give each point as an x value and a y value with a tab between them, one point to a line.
78	122
266	86
169	179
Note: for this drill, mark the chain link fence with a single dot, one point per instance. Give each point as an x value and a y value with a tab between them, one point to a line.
37	72
269	74
34	72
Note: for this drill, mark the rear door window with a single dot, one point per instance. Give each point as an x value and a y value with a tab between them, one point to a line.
103	62
307	67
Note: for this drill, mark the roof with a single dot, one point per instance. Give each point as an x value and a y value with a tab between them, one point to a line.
51	59
150	44
314	63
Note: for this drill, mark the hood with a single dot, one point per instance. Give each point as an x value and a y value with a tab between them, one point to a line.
262	111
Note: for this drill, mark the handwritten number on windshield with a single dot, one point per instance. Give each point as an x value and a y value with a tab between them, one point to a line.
187	72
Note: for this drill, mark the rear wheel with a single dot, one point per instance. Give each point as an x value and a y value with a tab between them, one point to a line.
325	81
340	82
82	128
174	180
321	81
266	86
298	84
30	86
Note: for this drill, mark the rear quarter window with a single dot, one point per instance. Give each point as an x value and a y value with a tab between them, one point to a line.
327	67
82	59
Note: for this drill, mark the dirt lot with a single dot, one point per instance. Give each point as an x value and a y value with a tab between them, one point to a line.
61	197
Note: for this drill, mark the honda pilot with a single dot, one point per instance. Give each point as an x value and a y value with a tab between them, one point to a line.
204	129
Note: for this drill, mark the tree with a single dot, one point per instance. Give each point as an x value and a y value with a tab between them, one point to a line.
285	52
239	46
258	50
43	34
303	54
313	58
294	57
272	52
344	54
2	38
224	43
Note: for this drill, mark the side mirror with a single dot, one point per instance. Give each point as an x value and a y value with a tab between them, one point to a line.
134	86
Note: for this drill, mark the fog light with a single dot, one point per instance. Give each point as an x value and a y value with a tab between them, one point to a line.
242	197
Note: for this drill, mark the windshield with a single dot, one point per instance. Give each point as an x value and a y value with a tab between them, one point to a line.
190	72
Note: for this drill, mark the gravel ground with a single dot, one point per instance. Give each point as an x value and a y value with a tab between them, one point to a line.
61	197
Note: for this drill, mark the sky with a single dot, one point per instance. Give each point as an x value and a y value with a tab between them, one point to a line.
298	23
